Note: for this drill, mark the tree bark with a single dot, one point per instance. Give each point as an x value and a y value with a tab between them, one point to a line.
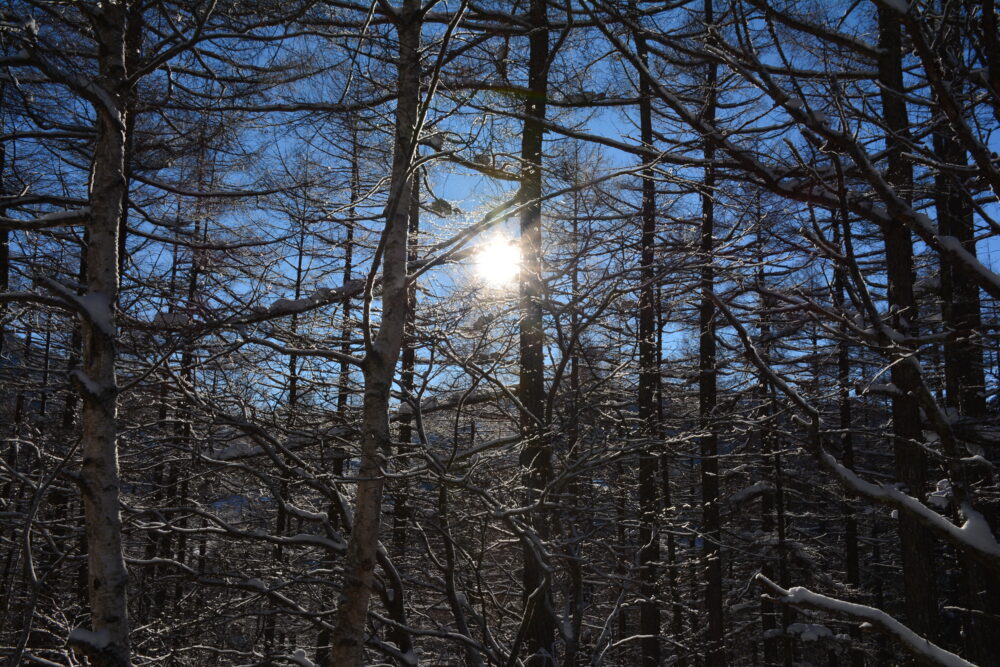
965	382
381	354
536	455
715	654
99	480
851	553
401	510
911	461
649	376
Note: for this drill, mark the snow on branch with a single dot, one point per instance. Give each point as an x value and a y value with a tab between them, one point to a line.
918	646
974	536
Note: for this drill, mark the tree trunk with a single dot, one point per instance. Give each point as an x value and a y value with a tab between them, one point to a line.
108	646
381	355
649	375
401	510
965	383
851	553
324	655
911	461
536	456
715	654
4	233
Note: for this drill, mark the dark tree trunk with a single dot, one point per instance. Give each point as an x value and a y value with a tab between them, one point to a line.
536	455
911	461
851	553
715	651
649	377
965	382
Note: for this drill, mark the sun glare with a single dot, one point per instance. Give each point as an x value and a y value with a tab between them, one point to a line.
498	262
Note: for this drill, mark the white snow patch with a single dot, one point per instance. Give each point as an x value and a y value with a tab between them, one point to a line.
299	658
751	492
977	530
974	534
809	632
304	513
97	641
941	497
435	141
98	308
89	385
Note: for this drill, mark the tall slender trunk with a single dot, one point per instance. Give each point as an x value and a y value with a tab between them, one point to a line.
851	553
965	383
768	611
401	510
394	595
4	233
272	636
99	480
649	378
343	383
536	455
324	654
381	354
574	547
788	646
70	409
991	48
911	461
666	495
715	653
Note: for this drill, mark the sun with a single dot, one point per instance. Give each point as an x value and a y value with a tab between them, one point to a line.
498	262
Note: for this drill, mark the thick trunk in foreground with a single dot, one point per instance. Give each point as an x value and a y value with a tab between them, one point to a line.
380	362
108	644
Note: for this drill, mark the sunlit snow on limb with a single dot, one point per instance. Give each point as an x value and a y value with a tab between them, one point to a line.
300	658
911	641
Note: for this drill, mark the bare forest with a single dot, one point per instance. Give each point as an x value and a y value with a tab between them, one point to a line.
508	333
